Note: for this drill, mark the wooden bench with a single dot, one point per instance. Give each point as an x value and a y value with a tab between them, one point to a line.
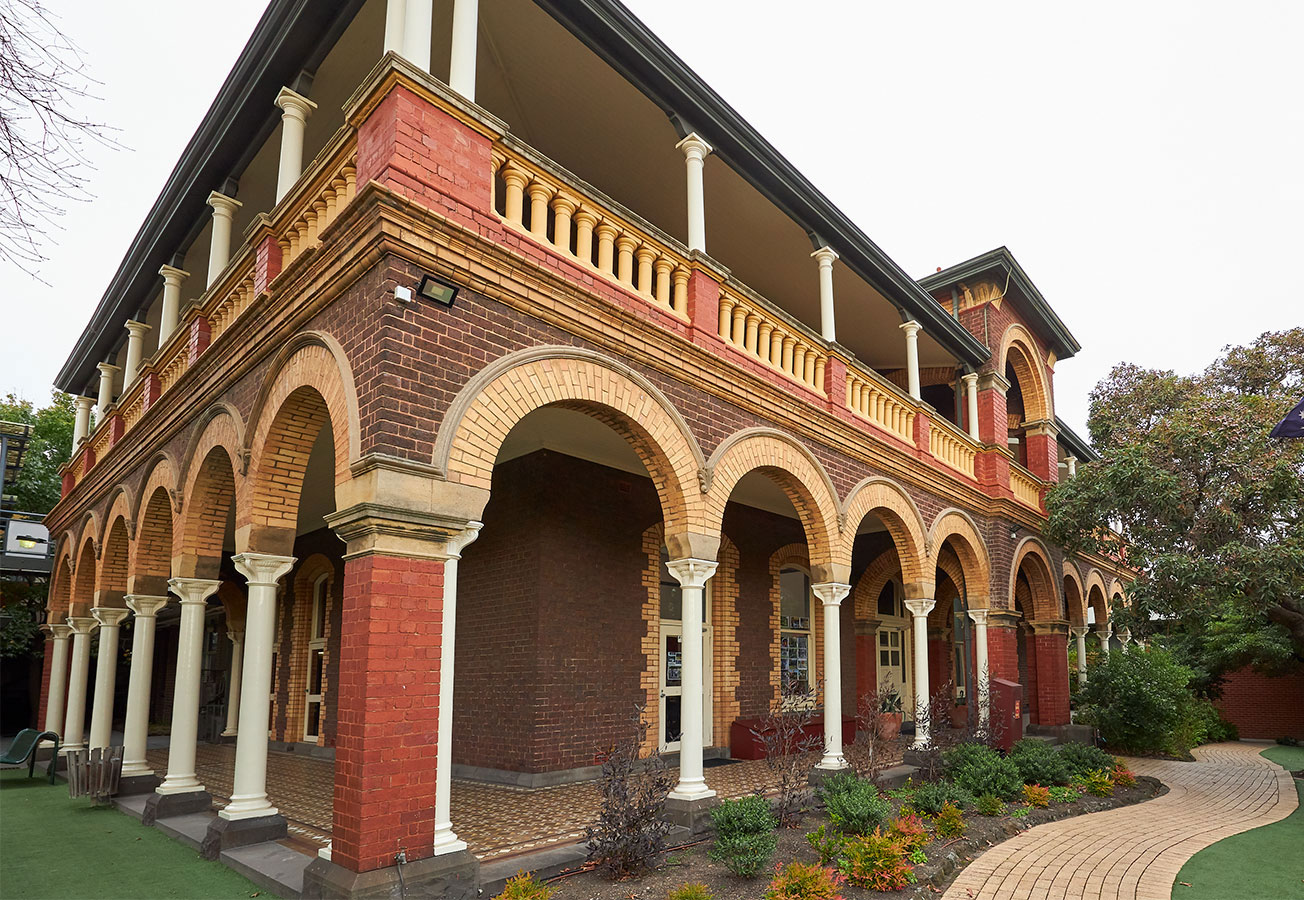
23	750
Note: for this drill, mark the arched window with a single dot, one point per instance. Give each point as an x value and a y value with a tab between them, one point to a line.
960	641
315	693
795	631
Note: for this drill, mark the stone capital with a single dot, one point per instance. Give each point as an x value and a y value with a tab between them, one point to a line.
59	632
1079	631
911	328
375	528
1044	426
831	593
263	568
970	380
1124	634
82	624
222	204
693	147
109	616
920	606
194	590
108	368
1054	627
172	275
826	256
979	616
690	572
294	104
993	381
145	606
1105	633
137	329
235	635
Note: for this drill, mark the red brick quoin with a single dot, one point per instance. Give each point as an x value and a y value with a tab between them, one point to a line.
391	633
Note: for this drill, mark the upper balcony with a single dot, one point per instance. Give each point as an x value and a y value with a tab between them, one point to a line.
805	300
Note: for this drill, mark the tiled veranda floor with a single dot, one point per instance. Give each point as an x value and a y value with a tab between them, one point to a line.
495	820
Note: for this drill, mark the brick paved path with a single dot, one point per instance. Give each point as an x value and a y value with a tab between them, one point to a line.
1135	852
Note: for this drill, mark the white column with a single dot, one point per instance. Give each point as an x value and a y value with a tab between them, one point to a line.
461	70
135	729
233	688
81	425
831	595
249	793
911	329
58	695
971	401
1124	637
106	675
194	594
446	840
395	11
825	257
1104	635
695	152
919	609
74	726
418	20
1080	635
979	617
219	250
135	350
107	373
171	313
1072	462
692	575
295	110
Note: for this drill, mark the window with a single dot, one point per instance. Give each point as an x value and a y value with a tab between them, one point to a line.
887	601
960	641
794	633
672	595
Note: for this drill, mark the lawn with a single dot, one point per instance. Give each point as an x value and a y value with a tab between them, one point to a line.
1263	864
55	847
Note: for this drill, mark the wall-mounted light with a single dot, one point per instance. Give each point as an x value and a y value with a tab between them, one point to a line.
437	290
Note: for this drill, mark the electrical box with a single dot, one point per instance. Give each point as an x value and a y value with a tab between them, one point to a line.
1007	712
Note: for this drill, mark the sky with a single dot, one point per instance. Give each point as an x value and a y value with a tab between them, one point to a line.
1144	161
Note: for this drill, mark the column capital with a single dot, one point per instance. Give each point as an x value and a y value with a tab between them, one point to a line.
109	616
222	204
979	616
993	380
173	275
1079	631
193	590
831	593
1124	634
263	568
83	402
108	369
235	635
82	624
372	528
920	606
59	632
1106	632
690	572
970	379
145	606
137	329
911	328
294	104
693	147
825	256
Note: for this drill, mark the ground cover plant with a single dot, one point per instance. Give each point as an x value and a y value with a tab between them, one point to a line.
522	886
693	891
1083	758
1039	763
980	770
853	804
803	881
877	861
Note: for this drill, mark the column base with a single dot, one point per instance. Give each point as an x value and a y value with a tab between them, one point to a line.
129	785
225	738
227	834
695	815
818	775
455	876
165	806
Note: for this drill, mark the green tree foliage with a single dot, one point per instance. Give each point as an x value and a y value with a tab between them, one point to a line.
1211	509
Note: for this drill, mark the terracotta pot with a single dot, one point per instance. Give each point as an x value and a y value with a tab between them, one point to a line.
889	726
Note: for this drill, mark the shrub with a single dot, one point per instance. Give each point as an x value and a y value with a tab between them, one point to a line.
1098	783
909	830
631	828
930	798
917	856
1139	701
989	805
1122	775
876	862
1064	794
691	892
804	881
1083	758
1200	722
1288	741
744	835
827	844
1036	795
949	822
981	770
524	887
1039	763
1020	812
854	805
787	741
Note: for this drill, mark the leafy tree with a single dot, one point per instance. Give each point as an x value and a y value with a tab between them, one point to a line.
1209	508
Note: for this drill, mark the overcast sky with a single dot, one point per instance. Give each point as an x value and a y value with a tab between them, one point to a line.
1144	161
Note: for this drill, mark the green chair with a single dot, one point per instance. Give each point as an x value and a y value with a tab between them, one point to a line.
23	750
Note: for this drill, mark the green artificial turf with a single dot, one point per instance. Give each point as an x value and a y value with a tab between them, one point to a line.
55	847
1266	863
1289	758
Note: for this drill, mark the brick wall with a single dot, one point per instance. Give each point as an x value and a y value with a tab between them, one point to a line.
1052	679
1262	706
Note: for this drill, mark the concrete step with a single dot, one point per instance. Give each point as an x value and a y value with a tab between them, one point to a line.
271	865
133	805
189	829
544	863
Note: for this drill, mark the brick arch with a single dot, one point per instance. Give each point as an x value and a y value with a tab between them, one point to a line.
1074	600
151	551
210	494
506	391
122	503
1096	601
220	425
311	389
83	583
955	528
1033	559
789	464
899	514
950	566
60	594
885	567
234	603
111	586
1117	592
1019	350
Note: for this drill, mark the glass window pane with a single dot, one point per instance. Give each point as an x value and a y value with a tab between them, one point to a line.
315	671
794	663
673	727
887	600
672	599
674	661
794	599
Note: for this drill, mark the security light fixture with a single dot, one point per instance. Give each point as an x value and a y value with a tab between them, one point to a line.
437	290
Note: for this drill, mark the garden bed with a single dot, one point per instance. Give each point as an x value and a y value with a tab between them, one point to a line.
689	863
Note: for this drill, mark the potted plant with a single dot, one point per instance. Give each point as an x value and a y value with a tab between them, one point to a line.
889	718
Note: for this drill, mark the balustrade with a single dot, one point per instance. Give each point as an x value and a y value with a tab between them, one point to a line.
872	398
1026	487
951	447
765	336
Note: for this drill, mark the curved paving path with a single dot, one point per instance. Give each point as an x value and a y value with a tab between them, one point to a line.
1135	852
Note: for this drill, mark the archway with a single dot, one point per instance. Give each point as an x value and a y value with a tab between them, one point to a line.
1042	654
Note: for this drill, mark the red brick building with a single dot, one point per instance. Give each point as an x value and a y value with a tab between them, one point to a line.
472	358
